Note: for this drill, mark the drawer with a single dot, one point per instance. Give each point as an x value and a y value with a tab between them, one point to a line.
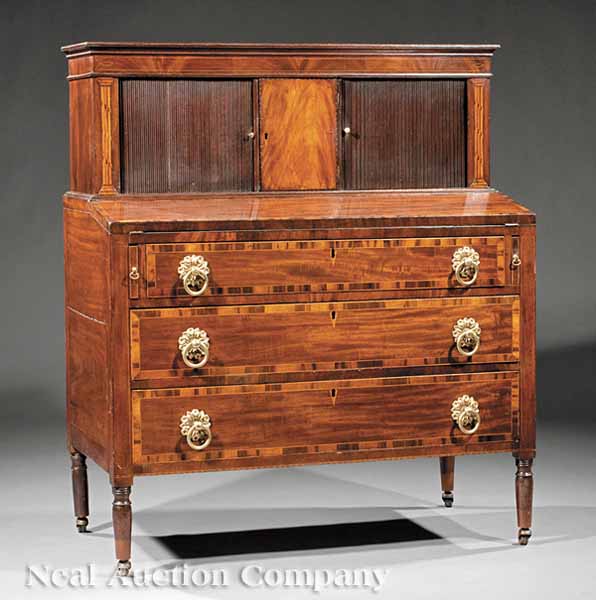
319	421
251	268
294	338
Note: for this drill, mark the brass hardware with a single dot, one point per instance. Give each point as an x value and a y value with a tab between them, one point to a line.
515	261
466	334
194	273
134	274
250	135
196	426
347	131
194	346
465	412
465	263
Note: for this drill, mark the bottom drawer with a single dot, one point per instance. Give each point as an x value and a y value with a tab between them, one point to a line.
330	421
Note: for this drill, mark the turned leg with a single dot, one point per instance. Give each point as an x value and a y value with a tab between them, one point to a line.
80	490
122	521
524	487
447	472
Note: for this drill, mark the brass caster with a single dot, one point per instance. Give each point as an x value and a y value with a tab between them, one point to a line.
123	568
82	523
524	536
448	499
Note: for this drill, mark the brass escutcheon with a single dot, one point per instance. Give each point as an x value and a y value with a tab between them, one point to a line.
466	413
465	263
196	426
193	270
194	347
466	334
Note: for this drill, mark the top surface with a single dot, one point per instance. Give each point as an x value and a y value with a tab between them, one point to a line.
82	47
167	212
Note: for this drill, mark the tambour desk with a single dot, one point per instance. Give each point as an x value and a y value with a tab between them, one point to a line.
282	255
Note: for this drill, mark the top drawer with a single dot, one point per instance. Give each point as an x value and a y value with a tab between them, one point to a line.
195	270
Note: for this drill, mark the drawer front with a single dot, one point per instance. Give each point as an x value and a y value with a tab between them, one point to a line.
247	268
299	422
294	338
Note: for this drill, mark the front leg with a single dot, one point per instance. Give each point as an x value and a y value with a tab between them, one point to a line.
80	489
524	488
122	522
447	464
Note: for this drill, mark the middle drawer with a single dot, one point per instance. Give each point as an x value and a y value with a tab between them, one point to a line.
296	338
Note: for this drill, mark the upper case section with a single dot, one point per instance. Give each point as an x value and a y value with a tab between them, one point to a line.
187	118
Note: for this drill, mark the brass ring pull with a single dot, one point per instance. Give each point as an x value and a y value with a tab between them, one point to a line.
196	426
466	334
465	262
194	273
466	413
194	347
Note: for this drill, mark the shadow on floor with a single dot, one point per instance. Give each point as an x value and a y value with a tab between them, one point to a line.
286	539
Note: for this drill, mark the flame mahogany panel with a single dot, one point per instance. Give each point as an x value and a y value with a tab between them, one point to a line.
298	134
296	421
288	267
295	338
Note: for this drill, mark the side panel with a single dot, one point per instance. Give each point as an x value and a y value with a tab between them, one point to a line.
94	136
86	254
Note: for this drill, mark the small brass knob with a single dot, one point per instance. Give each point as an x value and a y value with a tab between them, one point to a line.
466	413
347	131
466	334
465	262
194	347
196	426
194	271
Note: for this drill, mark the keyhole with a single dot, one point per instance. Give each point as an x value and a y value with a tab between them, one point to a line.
333	393
333	315
266	136
332	252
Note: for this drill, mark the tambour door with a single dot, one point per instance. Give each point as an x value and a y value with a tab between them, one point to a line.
402	134
186	136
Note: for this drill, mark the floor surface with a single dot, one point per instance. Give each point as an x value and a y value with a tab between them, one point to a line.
386	516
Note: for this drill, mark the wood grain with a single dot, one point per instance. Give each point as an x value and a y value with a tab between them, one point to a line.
527	249
478	132
88	394
94	136
294	338
309	210
91	59
186	136
288	267
86	263
294	420
404	134
298	134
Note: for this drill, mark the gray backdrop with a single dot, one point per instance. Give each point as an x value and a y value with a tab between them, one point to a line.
543	131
